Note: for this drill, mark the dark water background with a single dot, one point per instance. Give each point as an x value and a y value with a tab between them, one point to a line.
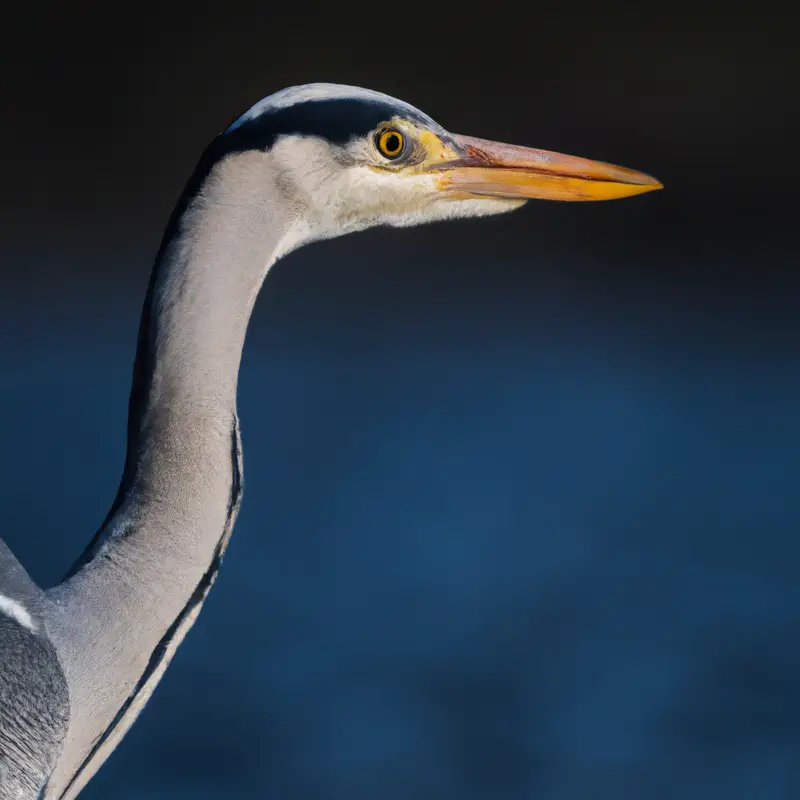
521	512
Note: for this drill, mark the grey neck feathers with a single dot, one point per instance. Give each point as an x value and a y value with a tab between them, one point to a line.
128	603
200	304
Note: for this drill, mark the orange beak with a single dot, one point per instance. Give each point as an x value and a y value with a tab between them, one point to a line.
492	169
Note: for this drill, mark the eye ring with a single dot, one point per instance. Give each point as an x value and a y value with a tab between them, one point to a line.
391	143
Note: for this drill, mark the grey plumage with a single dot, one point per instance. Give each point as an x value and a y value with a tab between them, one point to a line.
34	697
78	663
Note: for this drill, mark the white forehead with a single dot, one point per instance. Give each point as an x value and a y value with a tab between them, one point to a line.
293	95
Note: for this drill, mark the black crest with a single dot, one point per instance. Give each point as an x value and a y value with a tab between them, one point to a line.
338	120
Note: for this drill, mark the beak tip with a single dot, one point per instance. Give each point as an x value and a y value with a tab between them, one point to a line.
647	183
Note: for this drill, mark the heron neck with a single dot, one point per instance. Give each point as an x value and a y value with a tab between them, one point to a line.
225	233
127	604
204	286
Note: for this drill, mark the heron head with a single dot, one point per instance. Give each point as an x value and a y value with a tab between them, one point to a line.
345	158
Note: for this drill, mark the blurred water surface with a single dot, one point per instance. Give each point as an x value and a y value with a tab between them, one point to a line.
492	547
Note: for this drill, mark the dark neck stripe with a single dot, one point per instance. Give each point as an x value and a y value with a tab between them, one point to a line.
144	364
196	599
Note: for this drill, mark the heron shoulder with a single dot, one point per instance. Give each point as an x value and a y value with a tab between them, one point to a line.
15	610
34	708
34	696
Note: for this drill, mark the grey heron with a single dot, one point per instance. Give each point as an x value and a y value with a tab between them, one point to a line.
78	662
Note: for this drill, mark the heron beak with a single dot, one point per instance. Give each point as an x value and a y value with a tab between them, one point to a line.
492	169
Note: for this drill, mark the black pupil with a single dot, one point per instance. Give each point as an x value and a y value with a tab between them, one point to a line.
392	143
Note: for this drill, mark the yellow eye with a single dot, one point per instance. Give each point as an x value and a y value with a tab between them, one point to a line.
391	143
